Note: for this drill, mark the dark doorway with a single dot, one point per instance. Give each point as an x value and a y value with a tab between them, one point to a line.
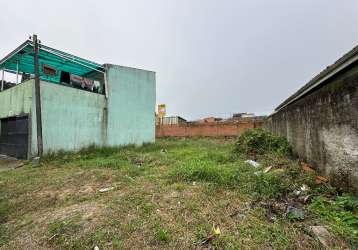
14	136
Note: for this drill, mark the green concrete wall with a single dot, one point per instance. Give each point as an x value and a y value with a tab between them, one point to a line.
131	106
16	101
71	118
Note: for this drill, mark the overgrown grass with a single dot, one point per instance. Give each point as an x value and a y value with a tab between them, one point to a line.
341	214
161	234
208	171
165	195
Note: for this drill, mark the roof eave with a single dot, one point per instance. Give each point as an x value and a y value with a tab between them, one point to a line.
342	63
11	54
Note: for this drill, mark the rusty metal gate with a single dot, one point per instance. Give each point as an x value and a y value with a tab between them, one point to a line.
14	136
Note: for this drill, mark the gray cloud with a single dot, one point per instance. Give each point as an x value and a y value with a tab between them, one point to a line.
211	57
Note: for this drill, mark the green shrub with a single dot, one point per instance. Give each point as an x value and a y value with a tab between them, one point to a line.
259	141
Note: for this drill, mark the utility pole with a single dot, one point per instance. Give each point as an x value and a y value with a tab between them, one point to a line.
38	96
2	80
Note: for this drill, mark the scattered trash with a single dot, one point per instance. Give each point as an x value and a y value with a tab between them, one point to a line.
304	188
253	163
297	192
322	235
207	240
308	168
215	232
53	236
295	213
102	190
194	183
321	179
96	248
266	170
163	151
35	161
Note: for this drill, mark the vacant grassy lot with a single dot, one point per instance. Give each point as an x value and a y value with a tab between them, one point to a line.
162	196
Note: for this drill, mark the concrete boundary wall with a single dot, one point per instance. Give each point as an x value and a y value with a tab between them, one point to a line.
217	129
322	127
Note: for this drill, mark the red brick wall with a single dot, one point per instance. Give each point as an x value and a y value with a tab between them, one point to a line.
206	129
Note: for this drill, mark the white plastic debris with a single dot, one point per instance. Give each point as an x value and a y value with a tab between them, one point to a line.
102	190
253	163
297	192
96	248
304	188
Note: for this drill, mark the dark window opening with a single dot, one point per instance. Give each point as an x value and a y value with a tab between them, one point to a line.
65	77
48	70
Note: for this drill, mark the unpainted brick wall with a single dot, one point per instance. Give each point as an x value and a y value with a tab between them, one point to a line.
215	129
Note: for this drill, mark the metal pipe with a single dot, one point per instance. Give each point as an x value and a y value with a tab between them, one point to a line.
2	80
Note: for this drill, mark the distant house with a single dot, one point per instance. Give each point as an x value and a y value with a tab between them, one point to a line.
321	121
78	103
170	120
210	120
243	115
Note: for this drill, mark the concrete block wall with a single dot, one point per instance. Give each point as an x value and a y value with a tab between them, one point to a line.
322	127
131	106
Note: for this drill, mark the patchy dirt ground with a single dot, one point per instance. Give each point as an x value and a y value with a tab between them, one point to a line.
170	195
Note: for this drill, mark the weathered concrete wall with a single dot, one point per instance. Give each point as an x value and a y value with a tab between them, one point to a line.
71	118
131	106
323	128
16	100
206	129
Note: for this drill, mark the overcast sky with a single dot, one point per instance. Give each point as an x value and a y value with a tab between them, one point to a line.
212	58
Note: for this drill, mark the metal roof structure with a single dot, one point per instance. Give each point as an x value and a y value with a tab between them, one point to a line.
342	63
22	60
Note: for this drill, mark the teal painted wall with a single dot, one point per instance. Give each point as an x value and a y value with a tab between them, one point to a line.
71	118
17	100
131	106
